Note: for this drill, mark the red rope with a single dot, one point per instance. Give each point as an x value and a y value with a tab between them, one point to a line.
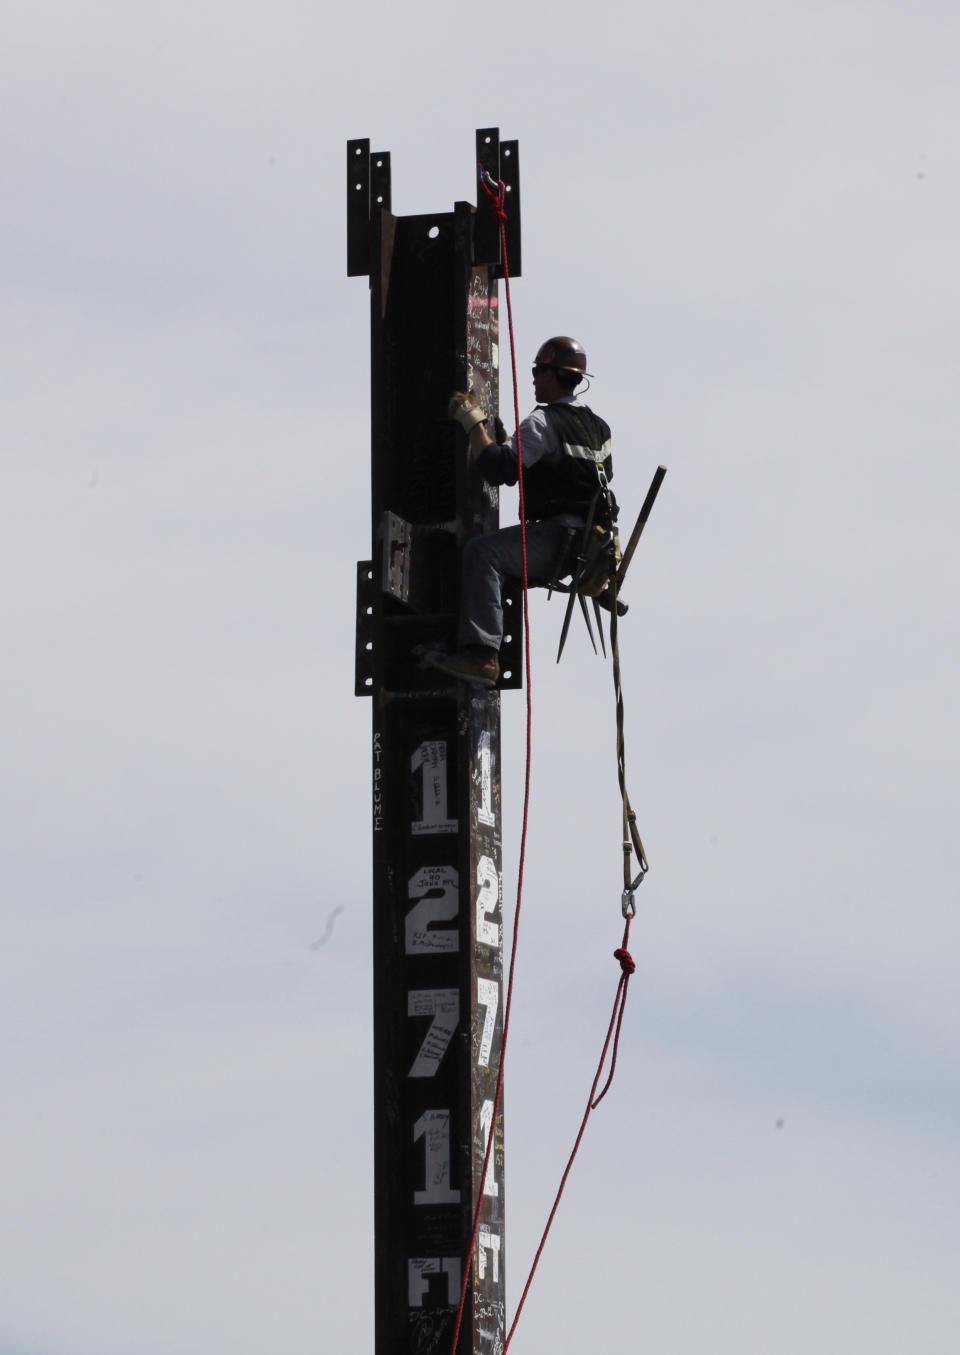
496	200
622	954
627	967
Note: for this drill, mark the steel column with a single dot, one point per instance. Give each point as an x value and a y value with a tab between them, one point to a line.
437	895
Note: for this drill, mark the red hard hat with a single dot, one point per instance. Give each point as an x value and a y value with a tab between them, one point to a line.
565	354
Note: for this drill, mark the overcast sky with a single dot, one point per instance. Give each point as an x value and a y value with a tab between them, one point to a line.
749	215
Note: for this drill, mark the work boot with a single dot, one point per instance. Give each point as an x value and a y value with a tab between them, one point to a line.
473	663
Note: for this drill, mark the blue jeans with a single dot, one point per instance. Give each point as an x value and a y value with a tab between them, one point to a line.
488	560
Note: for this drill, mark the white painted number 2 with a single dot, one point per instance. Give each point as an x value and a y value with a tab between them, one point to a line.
488	900
436	891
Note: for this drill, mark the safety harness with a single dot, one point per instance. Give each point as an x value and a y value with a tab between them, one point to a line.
597	556
564	479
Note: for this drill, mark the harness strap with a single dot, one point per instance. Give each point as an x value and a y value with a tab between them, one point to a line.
632	843
563	554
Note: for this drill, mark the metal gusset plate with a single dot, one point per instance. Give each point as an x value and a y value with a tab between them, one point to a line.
366	602
358	207
397	538
511	648
368	190
510	175
380	187
486	230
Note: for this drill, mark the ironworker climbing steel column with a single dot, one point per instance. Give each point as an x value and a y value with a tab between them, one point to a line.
441	1022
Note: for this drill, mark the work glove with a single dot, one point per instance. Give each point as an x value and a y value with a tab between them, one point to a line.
465	411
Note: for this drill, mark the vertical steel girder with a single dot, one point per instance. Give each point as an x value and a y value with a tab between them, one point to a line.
438	961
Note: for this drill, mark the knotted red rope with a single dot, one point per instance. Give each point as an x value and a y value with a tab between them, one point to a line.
626	961
627	968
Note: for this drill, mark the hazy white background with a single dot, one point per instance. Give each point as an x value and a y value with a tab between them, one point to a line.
749	214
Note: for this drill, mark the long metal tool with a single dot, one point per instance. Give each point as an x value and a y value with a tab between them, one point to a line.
599	619
575	582
586	616
641	522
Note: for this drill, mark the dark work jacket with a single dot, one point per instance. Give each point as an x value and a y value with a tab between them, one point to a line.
566	480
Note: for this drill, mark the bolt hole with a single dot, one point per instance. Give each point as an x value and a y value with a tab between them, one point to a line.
380	198
509	188
433	232
379	164
358	187
368	645
487	140
358	151
508	639
506	151
368	682
508	674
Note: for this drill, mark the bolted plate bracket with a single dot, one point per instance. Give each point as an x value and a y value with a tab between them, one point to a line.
397	542
486	231
368	192
366	604
510	175
501	160
511	650
358	207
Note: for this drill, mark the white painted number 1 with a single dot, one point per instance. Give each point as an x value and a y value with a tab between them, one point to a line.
485	808
490	1186
433	1127
431	757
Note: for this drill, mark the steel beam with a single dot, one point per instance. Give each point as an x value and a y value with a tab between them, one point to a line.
435	794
